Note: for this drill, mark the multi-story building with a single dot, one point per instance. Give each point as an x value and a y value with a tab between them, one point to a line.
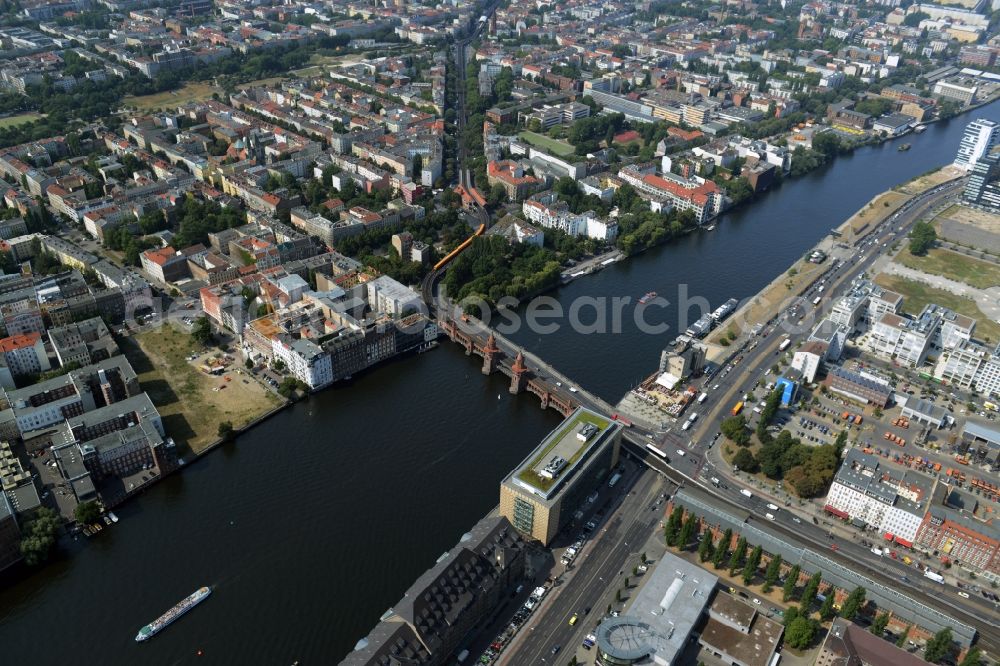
903	340
982	189
978	139
10	534
882	301
955	526
862	388
700	196
391	297
165	264
541	494
963	91
83	342
511	177
847	644
960	366
463	588
891	502
25	354
305	360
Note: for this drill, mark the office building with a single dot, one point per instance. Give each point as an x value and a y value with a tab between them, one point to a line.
859	387
978	139
662	616
903	340
981	189
540	495
463	588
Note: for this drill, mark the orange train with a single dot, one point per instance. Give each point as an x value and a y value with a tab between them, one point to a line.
458	250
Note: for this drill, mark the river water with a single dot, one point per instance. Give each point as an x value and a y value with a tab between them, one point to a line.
313	524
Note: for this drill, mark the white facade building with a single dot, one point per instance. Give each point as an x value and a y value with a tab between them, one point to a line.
979	137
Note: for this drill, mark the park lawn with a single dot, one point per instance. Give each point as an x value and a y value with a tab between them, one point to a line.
20	119
195	91
183	394
917	294
557	148
973	272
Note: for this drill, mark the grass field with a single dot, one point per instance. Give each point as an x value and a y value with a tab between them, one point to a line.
183	394
557	148
955	266
190	92
916	295
20	119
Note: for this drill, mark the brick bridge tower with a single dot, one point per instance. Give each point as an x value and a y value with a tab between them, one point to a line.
518	374
491	355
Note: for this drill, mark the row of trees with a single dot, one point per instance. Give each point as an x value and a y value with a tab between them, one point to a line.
801	627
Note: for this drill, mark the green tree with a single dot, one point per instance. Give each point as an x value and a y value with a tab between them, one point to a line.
226	431
809	593
939	647
791	581
772	573
826	609
735	428
750	570
736	559
880	623
922	238
973	657
673	525
686	532
913	20
799	633
87	513
706	549
853	604
39	536
722	549
901	641
745	461
201	332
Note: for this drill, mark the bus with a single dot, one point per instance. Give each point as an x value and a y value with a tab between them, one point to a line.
613	481
817	300
737	408
784	344
702	397
657	451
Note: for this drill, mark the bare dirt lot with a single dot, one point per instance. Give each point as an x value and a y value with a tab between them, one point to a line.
184	395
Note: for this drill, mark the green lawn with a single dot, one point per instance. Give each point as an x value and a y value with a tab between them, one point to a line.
917	294
21	119
557	148
529	475
973	272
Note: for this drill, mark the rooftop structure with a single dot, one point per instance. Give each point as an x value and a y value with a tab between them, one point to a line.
659	622
559	473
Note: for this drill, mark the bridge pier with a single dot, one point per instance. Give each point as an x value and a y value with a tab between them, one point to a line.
518	375
491	354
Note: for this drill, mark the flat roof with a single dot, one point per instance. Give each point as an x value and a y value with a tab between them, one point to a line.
663	614
562	443
755	647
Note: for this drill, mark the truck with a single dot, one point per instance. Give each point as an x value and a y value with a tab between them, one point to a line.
817	300
769	516
613	481
687	424
934	576
737	408
693	417
747	493
878	551
784	344
702	397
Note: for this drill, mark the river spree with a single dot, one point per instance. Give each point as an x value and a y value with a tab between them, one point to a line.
313	524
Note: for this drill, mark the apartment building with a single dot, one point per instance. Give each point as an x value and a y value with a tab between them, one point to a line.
511	177
890	502
25	354
957	527
903	340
